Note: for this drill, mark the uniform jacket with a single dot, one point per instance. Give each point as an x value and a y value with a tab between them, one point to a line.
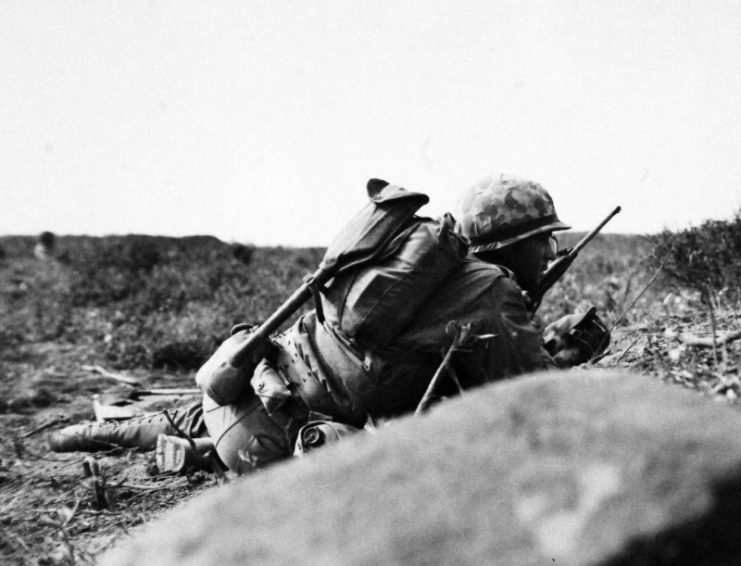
349	381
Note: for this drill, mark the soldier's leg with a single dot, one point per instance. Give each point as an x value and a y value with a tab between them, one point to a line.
246	437
137	432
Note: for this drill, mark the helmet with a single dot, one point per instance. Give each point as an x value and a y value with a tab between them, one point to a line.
499	211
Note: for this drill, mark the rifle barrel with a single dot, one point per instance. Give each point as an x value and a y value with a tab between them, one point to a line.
559	266
585	240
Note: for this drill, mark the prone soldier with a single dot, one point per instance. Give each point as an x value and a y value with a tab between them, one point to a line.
344	364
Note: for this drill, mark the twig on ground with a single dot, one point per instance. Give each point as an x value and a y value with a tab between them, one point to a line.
44	426
66	541
144	487
22	449
166	391
9	506
116	376
707	295
72	513
708	341
21	541
621	356
96	482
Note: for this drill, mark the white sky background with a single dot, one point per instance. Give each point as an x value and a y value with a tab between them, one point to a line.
262	121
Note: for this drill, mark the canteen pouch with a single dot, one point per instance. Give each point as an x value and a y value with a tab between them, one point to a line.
246	437
317	433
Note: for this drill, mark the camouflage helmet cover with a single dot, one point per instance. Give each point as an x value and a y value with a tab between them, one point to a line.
501	210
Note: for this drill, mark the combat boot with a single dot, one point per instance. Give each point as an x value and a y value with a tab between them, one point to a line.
132	433
175	454
137	432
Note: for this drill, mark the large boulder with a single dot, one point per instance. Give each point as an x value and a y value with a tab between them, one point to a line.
587	467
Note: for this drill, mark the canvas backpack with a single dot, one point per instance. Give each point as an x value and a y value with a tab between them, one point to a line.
373	303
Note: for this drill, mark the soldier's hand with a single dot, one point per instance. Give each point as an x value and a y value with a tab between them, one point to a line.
577	338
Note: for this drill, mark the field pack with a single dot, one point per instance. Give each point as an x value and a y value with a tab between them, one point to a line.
375	277
372	303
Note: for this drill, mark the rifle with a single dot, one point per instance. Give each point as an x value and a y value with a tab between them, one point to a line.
564	260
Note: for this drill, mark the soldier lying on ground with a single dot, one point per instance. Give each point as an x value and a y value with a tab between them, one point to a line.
318	372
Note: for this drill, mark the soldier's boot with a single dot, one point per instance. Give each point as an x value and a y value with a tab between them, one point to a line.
177	454
137	432
93	437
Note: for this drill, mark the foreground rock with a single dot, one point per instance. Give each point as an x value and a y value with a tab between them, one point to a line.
580	468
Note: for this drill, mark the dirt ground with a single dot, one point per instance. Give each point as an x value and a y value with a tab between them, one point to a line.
52	513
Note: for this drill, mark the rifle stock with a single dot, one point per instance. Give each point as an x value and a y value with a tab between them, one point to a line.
561	264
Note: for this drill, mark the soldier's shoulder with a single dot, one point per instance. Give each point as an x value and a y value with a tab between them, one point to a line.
474	265
508	273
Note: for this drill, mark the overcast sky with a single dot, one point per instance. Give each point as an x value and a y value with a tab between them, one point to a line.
262	121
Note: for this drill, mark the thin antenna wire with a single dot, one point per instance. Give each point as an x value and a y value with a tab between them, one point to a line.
625	311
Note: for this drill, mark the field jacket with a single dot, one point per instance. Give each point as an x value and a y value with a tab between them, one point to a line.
335	376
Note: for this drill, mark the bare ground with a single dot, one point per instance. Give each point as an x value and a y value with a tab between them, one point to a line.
51	513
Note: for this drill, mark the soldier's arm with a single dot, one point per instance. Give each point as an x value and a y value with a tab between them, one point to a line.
518	346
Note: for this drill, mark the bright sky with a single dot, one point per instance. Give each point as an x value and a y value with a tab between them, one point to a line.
261	121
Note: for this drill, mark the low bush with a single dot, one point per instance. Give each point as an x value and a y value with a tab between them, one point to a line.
144	301
706	257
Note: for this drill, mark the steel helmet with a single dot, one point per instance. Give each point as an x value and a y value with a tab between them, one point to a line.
501	210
